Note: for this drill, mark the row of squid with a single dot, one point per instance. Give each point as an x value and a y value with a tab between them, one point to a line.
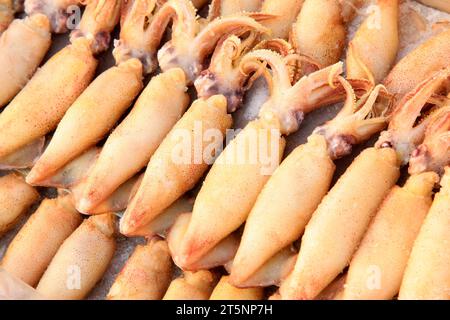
246	221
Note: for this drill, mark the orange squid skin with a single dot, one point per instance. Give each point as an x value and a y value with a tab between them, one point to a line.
85	255
386	246
106	98
41	104
419	64
343	214
38	240
22	48
16	197
153	196
427	275
192	286
146	275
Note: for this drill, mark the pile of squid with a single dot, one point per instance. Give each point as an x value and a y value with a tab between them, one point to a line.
143	149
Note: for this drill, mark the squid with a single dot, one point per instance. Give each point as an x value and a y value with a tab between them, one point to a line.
225	77
81	260
379	36
32	249
320	30
338	224
154	109
229	75
419	64
169	175
378	266
22	47
225	291
191	44
290	196
376	269
142	28
16	197
427	273
285	13
146	275
103	102
192	286
42	103
59	151
241	170
57	11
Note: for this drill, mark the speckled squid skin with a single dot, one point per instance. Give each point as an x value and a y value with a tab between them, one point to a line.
41	104
90	118
373	50
34	246
286	12
213	217
155	109
16	197
192	286
222	254
146	275
427	275
320	31
289	198
85	255
338	224
165	181
282	209
385	248
22	47
420	64
225	291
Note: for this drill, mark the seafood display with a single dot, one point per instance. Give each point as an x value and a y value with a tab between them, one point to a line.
224	149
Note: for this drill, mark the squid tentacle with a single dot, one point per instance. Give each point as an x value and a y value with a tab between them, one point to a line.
356	122
403	134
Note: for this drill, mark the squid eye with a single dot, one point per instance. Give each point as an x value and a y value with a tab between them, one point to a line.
386	144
